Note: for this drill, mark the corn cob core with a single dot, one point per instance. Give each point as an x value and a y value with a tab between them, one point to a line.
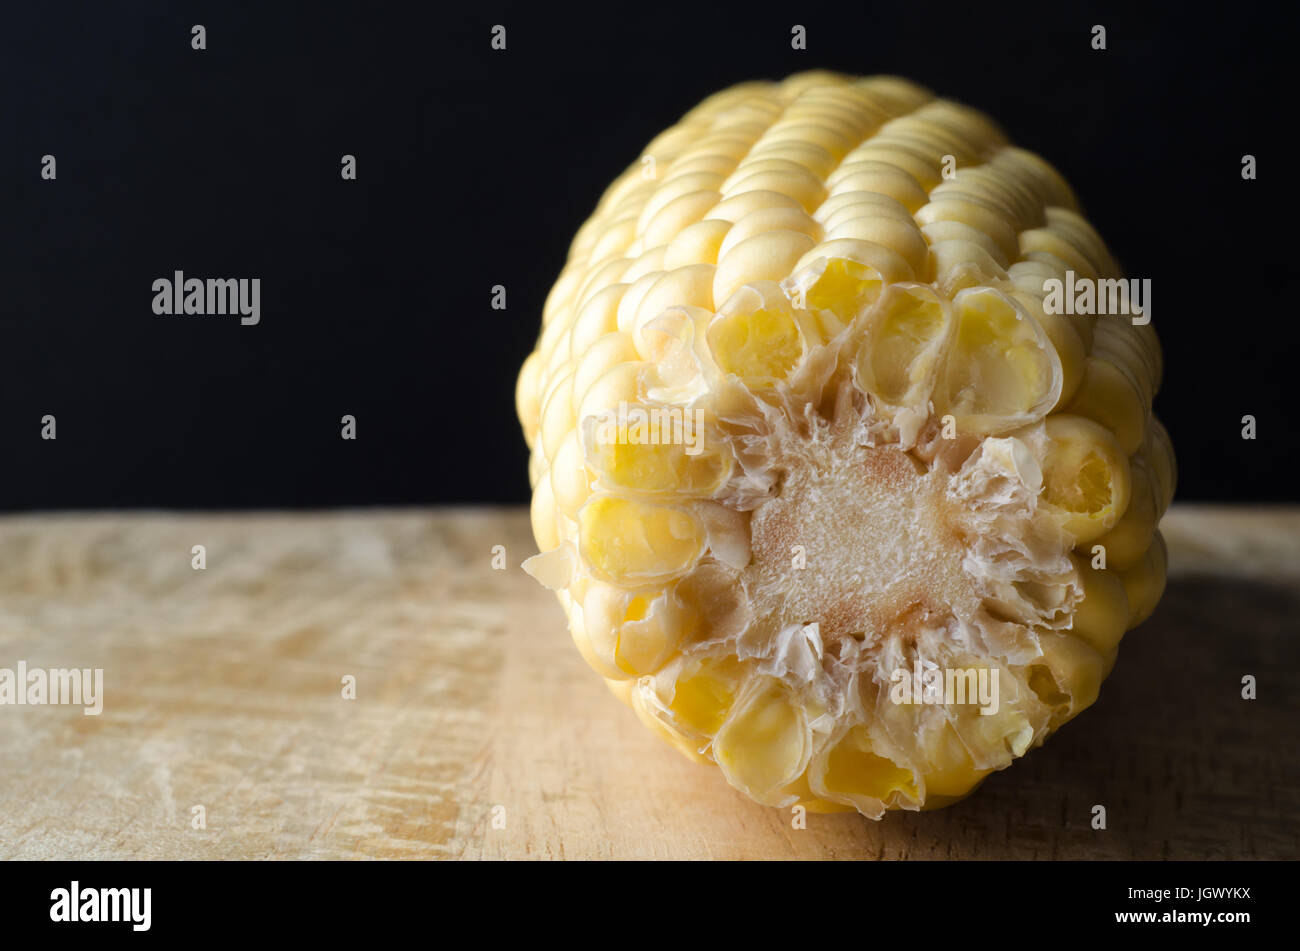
800	422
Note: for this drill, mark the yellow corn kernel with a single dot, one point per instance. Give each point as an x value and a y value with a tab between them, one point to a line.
1076	229
595	318
1118	342
601	277
904	345
1086	477
981	181
698	186
650	713
926	172
885	180
542	514
736	207
686	287
625	458
1068	677
1002	371
812	157
599	358
1064	335
705	693
1108	396
901	237
682	211
1034	172
1050	242
626	541
843	287
621	689
557	416
769	219
596	652
976	214
889	264
1145	581
1102	616
526	401
989	720
845	205
764	257
1131	537
635	631
696	244
855	772
621	384
780	176
764	745
954	265
569	475
757	337
1163	464
939	232
952	774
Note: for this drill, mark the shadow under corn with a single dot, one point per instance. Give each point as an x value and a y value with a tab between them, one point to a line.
1184	766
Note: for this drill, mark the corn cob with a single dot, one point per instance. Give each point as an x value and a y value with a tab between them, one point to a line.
882	453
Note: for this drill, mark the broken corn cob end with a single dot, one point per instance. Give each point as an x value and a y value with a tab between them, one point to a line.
829	498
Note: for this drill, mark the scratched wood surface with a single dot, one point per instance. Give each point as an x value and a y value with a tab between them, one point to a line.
223	690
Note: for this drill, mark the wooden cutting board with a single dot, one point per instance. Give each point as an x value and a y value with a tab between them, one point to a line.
223	690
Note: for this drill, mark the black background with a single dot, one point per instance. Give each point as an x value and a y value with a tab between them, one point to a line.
476	167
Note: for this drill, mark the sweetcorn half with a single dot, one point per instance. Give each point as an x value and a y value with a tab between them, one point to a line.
827	494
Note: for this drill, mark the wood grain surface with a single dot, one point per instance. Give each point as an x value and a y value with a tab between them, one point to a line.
223	690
